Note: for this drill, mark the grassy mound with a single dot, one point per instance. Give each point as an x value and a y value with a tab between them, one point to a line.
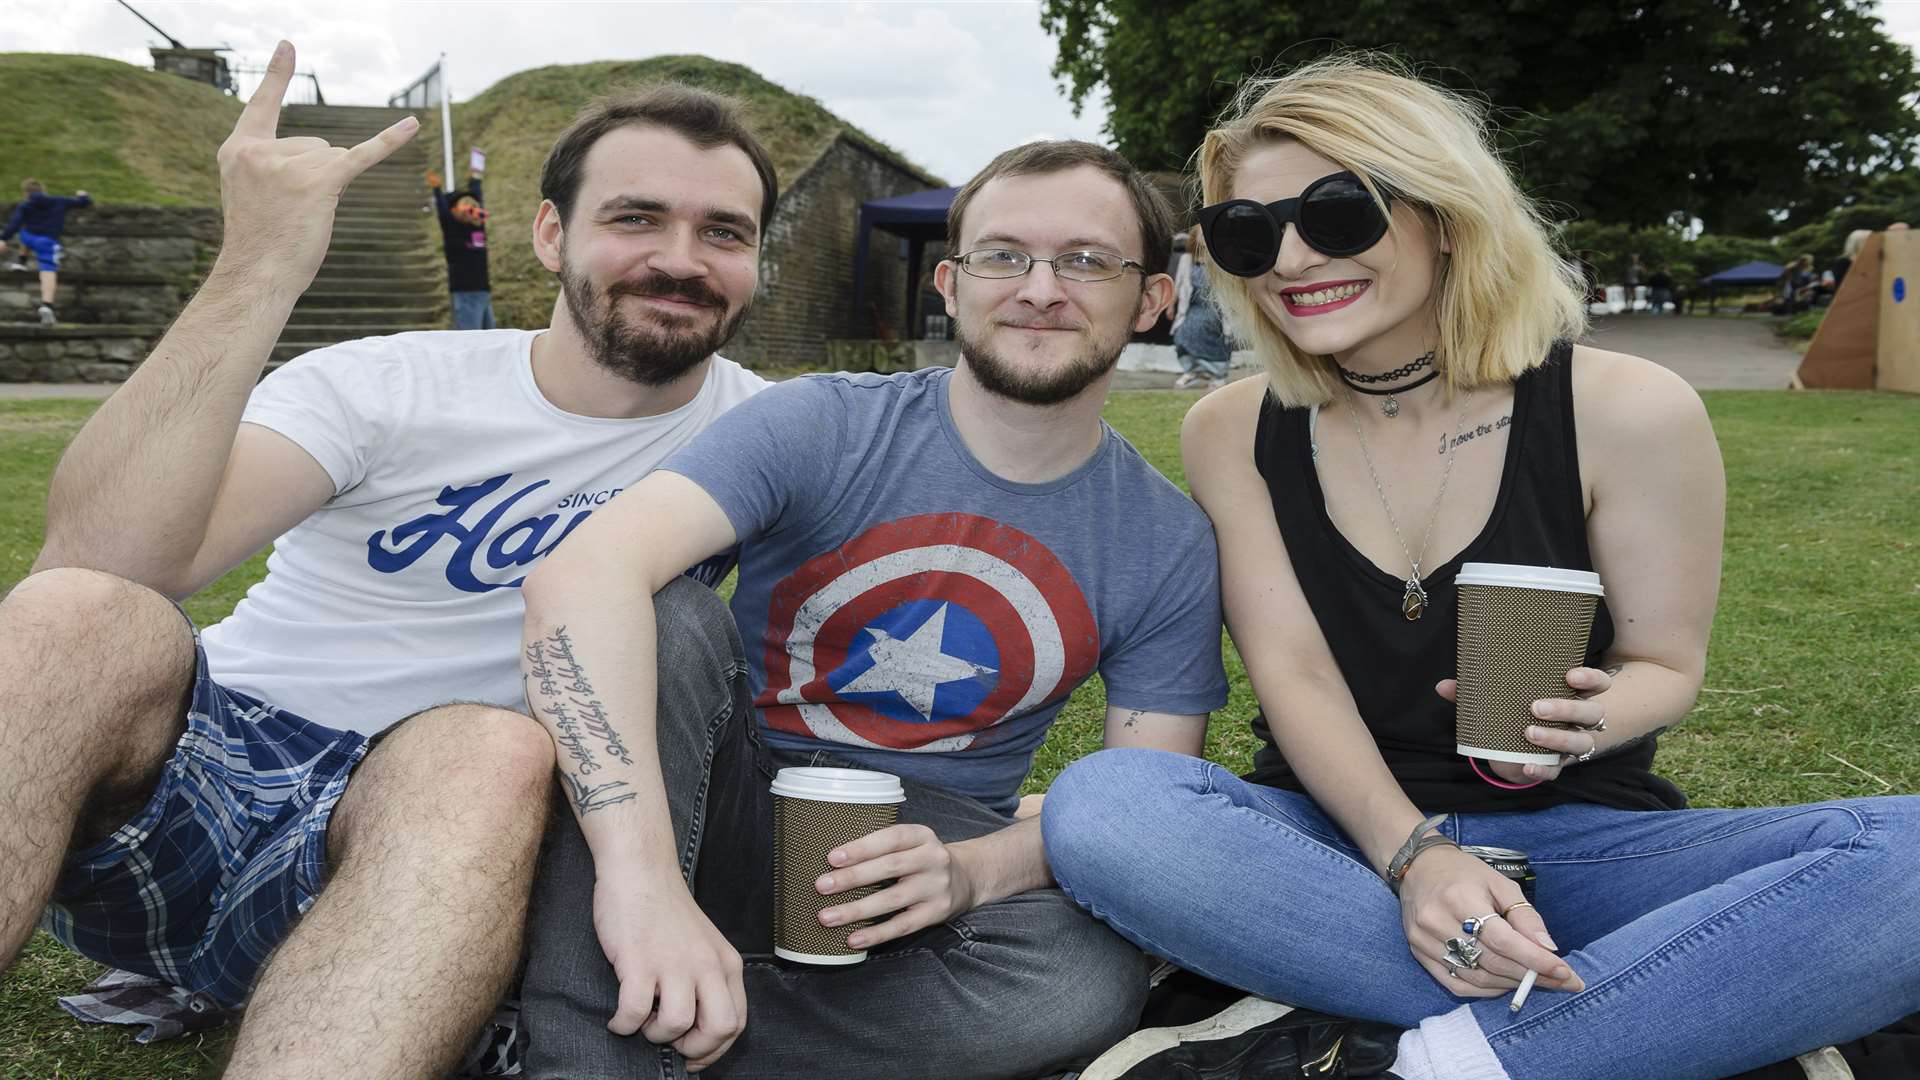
122	133
516	120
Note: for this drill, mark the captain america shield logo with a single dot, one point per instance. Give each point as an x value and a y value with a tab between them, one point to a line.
922	634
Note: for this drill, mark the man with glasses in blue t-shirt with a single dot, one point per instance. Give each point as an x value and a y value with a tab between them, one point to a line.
930	563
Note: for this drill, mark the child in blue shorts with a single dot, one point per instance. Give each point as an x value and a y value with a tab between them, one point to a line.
40	218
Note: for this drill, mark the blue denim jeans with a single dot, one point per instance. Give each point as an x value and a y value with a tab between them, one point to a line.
1710	941
473	310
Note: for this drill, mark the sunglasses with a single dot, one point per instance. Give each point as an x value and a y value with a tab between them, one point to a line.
1336	215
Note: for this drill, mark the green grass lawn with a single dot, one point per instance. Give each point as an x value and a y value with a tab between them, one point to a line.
1813	687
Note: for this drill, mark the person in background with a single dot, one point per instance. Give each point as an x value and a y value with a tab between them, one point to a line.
463	236
1659	289
1199	337
39	219
1849	251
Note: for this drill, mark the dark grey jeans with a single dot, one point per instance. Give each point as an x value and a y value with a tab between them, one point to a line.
1024	987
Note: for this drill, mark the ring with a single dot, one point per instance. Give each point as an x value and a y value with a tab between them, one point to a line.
1464	952
1453	971
1473	926
1602	725
1516	906
1591	750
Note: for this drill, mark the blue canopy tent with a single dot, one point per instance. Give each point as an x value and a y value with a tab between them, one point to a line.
917	218
1757	272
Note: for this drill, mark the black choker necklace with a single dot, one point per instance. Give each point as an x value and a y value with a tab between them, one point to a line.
1357	381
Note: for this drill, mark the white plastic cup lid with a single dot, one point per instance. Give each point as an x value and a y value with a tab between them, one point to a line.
823	784
1529	577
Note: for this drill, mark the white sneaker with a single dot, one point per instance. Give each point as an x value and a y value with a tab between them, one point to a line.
17	265
1215	384
1186	379
46	315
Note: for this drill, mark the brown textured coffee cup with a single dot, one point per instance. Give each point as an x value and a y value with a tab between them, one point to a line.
814	811
1522	628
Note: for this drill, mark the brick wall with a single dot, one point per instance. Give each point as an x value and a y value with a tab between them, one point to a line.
806	278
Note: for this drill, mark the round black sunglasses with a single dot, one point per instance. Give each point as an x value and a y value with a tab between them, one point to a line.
1335	215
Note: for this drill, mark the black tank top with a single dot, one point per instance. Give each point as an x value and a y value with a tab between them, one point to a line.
1390	663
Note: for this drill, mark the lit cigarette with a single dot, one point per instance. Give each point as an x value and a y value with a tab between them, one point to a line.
1520	995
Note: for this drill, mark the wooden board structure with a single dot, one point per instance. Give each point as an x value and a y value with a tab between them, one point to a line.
1870	338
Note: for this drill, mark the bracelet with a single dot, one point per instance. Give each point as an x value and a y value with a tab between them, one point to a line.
1417	842
1496	782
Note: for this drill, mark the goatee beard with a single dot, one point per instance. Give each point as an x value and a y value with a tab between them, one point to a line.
655	353
1001	379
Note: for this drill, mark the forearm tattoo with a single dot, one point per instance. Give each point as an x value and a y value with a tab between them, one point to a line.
558	689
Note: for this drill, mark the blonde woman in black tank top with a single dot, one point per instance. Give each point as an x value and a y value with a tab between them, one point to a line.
1422	407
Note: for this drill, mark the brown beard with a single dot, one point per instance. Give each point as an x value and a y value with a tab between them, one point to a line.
653	354
1001	379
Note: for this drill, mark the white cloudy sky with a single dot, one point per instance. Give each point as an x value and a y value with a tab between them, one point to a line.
950	84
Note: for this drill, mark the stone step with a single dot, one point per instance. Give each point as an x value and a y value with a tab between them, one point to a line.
410	221
356	294
374	262
329	312
382	280
391	244
345	267
311	337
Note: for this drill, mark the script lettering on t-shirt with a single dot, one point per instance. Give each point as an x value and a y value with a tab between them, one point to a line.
522	543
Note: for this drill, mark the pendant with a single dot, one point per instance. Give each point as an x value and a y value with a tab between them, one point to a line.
1414	604
1392	409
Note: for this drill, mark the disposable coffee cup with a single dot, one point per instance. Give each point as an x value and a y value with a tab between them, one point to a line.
1522	628
814	811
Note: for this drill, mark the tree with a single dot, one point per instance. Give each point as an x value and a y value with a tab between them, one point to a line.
1733	111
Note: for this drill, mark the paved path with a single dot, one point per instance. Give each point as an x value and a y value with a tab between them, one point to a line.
1712	354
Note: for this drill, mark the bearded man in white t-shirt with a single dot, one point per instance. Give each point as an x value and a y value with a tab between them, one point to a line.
173	806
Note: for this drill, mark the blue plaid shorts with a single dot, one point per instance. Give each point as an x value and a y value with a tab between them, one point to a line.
208	878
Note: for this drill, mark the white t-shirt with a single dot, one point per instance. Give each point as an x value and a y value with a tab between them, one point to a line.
453	475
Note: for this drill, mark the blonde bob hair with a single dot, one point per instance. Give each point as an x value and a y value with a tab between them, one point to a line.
1501	299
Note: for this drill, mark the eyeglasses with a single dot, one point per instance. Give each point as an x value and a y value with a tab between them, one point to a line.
1071	265
1336	215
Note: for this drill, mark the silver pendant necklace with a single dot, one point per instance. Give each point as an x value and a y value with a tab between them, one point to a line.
1414	603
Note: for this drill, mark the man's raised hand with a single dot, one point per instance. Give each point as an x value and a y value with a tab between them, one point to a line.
279	195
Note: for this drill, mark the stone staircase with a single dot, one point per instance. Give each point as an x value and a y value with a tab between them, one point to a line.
383	273
130	269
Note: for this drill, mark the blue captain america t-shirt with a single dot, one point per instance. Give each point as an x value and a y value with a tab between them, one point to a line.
905	608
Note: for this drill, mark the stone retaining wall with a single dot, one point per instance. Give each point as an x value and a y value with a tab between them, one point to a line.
174	242
74	354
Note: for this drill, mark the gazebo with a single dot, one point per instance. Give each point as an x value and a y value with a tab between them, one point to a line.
917	218
1757	272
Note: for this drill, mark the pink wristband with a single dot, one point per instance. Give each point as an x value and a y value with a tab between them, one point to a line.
1475	762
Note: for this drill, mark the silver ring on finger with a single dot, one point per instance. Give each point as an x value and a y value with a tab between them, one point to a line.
1464	952
1591	750
1602	725
1453	970
1472	927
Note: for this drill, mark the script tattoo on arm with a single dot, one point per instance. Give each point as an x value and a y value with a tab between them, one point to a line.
558	688
592	713
1133	719
543	695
